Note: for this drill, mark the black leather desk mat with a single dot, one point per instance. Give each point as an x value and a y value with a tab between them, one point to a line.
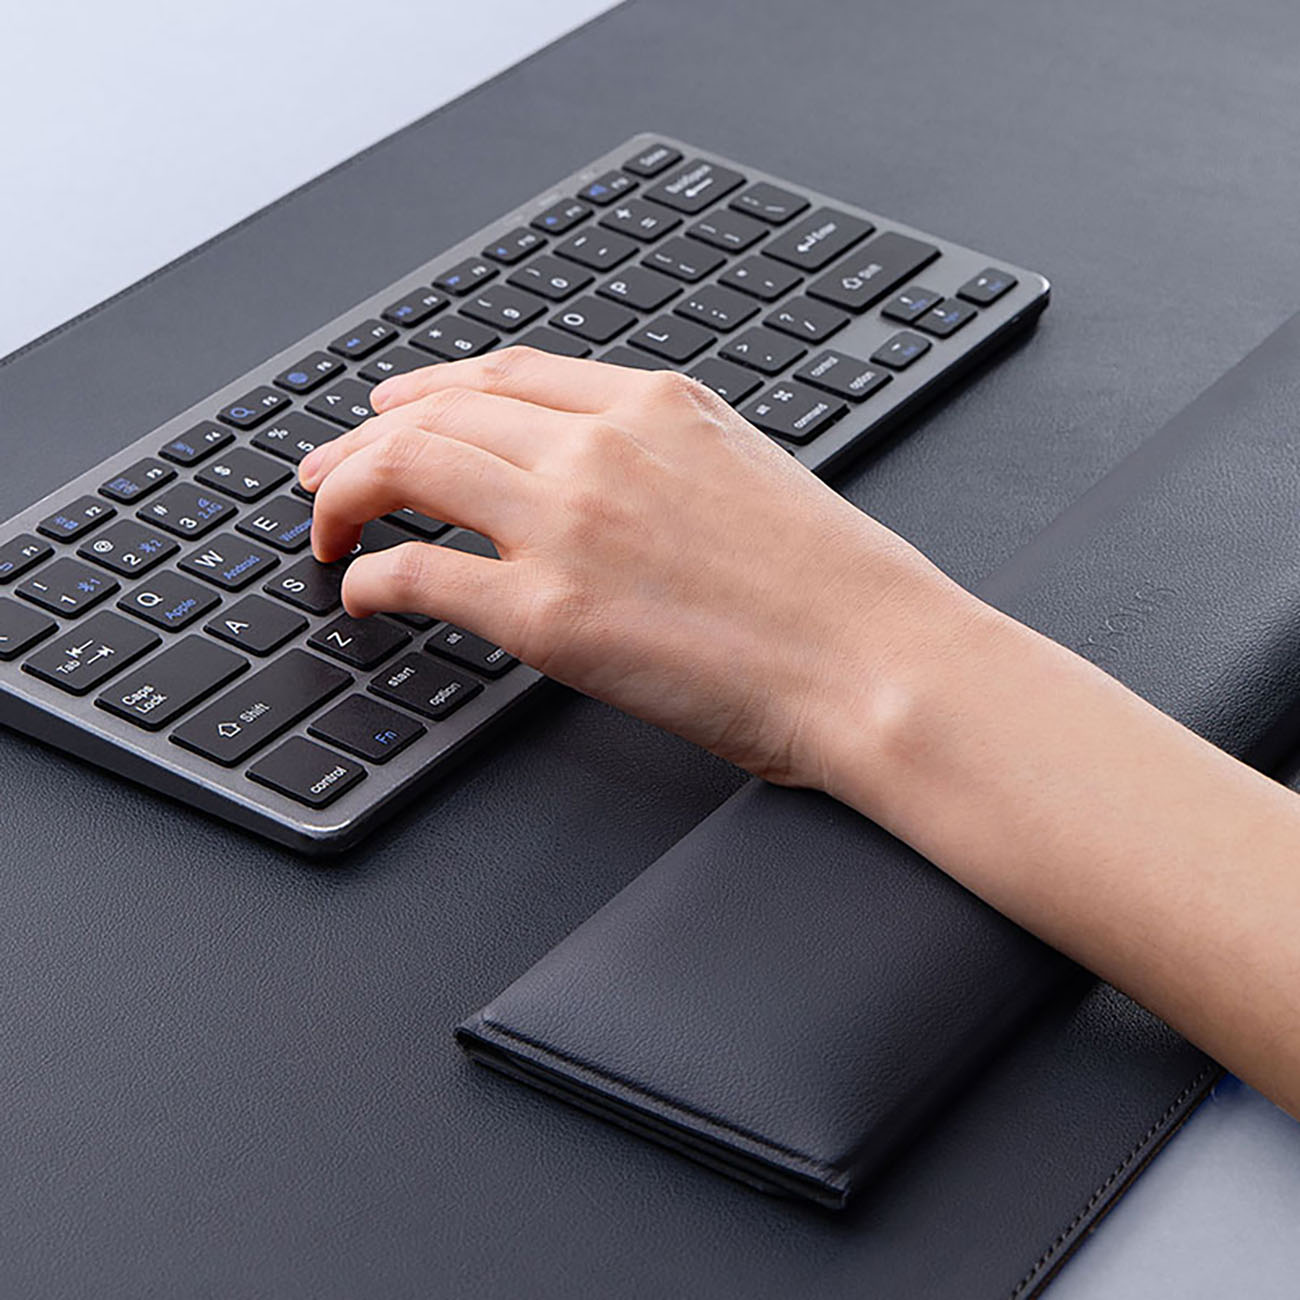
228	1072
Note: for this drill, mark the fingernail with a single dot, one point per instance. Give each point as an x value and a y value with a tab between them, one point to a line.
379	395
308	468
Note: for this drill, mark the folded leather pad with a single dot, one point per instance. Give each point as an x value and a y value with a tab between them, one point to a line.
790	994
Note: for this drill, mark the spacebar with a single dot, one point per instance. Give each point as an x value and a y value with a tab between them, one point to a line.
261	707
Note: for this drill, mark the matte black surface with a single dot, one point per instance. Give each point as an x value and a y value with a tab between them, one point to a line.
227	1071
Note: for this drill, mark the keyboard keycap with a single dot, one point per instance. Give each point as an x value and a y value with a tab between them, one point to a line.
196	444
634	360
76	519
464	276
257	625
359	642
414	308
643	221
906	306
818	239
422	684
91	652
717	307
229	562
601	250
171	683
733	383
283	522
20	554
695	186
138	480
561	216
769	203
673	339
988	286
454	337
421	525
504	307
733	232
594	320
514	246
261	706
346	402
67	587
307	772
169	601
641	288
685	259
802	318
946	318
545	339
396	361
363	339
794	411
309	585
21	627
309	373
762	350
470	651
294	435
471	543
187	511
368	729
872	271
843	375
760	276
250	410
246	475
652	160
607	187
128	547
900	351
551	277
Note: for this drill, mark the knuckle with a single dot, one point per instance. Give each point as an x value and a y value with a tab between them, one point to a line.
443	406
673	387
505	364
394	454
407	566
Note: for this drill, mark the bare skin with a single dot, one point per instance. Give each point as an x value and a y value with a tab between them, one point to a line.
660	554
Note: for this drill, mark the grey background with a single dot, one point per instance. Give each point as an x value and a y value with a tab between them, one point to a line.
148	128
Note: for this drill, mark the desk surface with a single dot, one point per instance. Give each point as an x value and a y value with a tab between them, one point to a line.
246	1080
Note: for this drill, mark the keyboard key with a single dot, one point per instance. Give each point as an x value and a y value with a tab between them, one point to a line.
414	308
905	307
283	522
421	525
514	246
545	339
633	360
425	686
733	383
769	203
187	511
21	628
805	319
470	651
128	547
66	587
346	402
643	221
471	543
685	259
601	250
843	375
652	160
504	307
257	625
244	474
464	276
730	231
294	435
675	340
607	187
138	480
229	562
454	337
309	585
761	277
946	318
91	653
196	444
640	288
794	411
171	683
76	519
760	349
551	277
594	320
717	307
988	286
818	239
872	271
22	553
307	772
261	706
359	642
900	351
311	372
561	216
169	601
363	339
396	361
368	729
695	186
250	410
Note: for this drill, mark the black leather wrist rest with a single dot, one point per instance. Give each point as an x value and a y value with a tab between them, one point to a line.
789	992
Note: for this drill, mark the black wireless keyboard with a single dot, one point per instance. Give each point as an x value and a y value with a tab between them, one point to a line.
162	615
